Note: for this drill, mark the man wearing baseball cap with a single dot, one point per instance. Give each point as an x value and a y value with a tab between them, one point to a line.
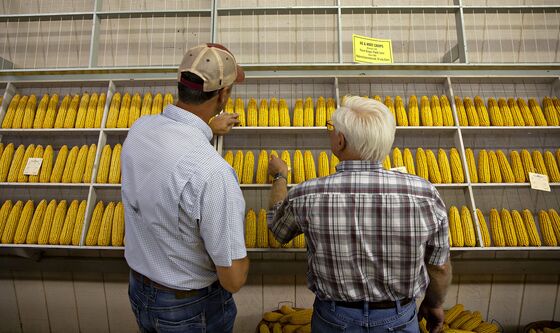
184	209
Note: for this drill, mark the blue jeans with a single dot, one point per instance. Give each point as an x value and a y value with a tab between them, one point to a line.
211	310
330	318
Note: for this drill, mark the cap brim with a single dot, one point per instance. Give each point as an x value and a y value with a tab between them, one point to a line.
240	75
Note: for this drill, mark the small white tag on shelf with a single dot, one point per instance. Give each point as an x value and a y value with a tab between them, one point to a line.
539	182
32	167
399	169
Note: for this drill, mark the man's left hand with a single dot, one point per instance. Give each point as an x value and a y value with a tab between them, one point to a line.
222	123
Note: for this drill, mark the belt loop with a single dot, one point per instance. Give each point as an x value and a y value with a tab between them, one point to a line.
332	305
398	304
366	309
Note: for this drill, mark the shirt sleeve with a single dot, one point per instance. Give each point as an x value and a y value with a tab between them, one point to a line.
282	222
222	210
437	249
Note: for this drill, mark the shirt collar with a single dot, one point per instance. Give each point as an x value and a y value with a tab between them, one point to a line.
184	116
357	165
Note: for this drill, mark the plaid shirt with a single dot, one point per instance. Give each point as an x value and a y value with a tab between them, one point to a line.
369	232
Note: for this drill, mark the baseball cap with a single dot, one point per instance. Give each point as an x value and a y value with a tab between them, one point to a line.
214	64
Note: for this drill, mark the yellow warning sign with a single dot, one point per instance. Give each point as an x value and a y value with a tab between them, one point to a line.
372	50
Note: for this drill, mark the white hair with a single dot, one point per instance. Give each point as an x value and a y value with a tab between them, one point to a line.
367	125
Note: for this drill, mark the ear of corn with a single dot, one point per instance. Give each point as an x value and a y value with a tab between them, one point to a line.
41	112
104	237
4	213
400	112
59	165
505	168
284	113
409	161
389	104
507	115
525	112
228	108
457	173
70	164
6	161
298	113
263	113
20	112
104	163
468	227
453	313
433	168
38	153
262	230
496	118
518	118
486	327
461	319
240	110
29	152
426	112
528	219
308	113
422	164
527	162
80	165
482	112
508	228
24	222
299	171
62	110
324	169
46	226
11	223
517	167
538	162
16	163
551	167
309	161
167	99
29	113
157	104
520	229
320	112
272	242
461	112
483	166
50	115
537	113
115	170
135	108
228	157
550	112
437	114
455	227
82	111
483	228
79	223
95	224
447	113
124	111
444	167
100	110
387	163
252	117
472	323
472	114
70	119
11	112
47	165
251	229
36	223
414	116
58	223
299	241
555	222
238	165
90	160
546	229
262	168
273	114
114	108
91	111
496	228
397	158
69	221
248	168
146	105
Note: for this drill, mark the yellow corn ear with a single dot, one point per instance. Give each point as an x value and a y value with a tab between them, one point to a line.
298	113
104	163
11	223
520	229
263	113
433	168
555	222
238	165
79	224
331	107
426	112
228	157
240	110
59	165
389	104
252	118
437	115
104	237
11	112
262	230
505	168
486	327
517	167
38	153
472	323
299	241
95	224
262	168
167	99
547	230
483	228
309	161
91	111
308	112
400	112
157	104
444	167
507	114
538	162
483	167
69	221
387	163
50	115
58	222
408	160
80	165
460	320
472	114
414	116
248	168
525	112
272	242
551	167
29	151
4	213
496	118
334	162
146	105
299	171
23	223
90	159
117	230
273	115
397	158
508	228
251	229
71	113
124	112
115	170
275	154
550	112
468	227
36	222
447	113
457	173
495	174
456	227
228	108
100	110
82	111
482	112
529	220
320	112
284	113
421	164
70	164
29	113
518	117
135	107
324	169
453	313
46	226
114	108
41	112
285	157
6	161
12	174
527	162
496	228
537	112
47	165
461	112
20	112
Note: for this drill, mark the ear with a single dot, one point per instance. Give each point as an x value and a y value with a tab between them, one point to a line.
340	141
223	95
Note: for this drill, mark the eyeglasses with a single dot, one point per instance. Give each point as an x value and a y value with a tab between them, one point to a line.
330	126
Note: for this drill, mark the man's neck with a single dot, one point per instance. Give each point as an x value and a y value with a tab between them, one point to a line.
203	111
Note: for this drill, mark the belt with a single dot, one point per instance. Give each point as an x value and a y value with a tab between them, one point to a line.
178	293
373	305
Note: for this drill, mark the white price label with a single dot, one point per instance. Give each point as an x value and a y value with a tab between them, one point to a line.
539	182
399	169
32	167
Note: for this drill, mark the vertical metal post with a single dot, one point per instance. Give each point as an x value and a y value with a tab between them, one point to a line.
214	20
339	26
94	42
460	26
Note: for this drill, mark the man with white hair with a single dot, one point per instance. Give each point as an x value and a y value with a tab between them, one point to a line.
376	239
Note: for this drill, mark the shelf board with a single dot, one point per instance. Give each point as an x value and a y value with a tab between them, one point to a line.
50	131
323	130
116	131
62	247
499	185
268	186
98	185
511	129
513	248
32	185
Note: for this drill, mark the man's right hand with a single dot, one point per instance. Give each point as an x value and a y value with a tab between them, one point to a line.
434	317
276	165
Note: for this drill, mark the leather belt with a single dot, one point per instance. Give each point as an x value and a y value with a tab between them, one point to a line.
178	293
373	305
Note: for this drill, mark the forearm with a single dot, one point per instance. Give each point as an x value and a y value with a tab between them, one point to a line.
440	279
278	192
234	277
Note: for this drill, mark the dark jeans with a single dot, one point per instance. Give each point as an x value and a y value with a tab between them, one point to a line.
330	318
211	310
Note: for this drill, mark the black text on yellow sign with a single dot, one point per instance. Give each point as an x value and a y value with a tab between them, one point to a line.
372	50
